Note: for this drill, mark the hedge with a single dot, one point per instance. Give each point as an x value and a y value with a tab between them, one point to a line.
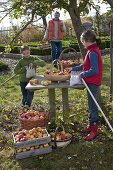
47	51
3	66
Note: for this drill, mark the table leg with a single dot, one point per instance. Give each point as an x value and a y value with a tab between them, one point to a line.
65	99
51	94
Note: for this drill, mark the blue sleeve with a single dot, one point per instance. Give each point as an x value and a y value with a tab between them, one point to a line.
77	68
93	57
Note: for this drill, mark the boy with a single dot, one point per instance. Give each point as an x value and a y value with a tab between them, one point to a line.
20	69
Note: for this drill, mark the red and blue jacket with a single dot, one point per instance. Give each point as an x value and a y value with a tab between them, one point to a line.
92	66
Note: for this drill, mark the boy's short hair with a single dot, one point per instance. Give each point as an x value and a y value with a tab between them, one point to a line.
57	13
24	47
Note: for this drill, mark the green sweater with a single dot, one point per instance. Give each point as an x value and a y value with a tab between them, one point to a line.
20	68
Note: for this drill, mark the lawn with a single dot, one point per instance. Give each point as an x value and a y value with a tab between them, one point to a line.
80	154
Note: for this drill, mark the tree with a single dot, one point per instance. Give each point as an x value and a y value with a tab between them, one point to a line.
30	9
110	2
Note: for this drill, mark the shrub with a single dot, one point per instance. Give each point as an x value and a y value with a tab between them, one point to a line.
3	66
35	50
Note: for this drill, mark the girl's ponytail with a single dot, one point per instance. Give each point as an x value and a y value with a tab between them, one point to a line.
98	41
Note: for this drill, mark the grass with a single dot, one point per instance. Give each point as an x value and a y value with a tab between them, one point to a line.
80	154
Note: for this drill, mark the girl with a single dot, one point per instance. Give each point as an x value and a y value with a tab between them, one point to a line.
91	72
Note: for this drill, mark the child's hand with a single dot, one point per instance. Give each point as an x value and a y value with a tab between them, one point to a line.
68	69
81	75
30	66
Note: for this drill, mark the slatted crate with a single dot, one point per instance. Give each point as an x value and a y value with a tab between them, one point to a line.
28	148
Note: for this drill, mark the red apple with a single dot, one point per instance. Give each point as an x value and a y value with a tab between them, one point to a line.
23	139
63	136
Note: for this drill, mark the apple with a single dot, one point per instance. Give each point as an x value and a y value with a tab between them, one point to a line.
34	81
28	148
22	115
44	131
58	137
41	117
36	117
19	150
63	136
62	132
24	149
31	131
32	148
37	147
41	146
23	139
32	136
46	145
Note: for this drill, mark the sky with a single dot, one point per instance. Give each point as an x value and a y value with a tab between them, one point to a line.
6	22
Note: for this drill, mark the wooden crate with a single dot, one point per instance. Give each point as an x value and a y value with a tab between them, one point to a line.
32	147
34	152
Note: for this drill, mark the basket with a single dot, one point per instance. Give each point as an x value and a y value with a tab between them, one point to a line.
56	76
61	143
71	60
29	123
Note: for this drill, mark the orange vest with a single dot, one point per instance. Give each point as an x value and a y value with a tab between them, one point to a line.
51	30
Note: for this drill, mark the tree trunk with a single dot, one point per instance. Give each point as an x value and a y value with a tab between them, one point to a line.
77	25
76	21
44	21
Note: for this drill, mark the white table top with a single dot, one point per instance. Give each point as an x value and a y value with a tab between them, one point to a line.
53	85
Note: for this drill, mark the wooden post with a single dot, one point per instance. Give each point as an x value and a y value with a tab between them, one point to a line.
111	60
51	94
65	99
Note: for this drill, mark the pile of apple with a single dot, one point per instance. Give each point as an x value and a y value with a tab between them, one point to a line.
60	136
33	115
30	148
45	82
70	62
56	73
31	134
34	81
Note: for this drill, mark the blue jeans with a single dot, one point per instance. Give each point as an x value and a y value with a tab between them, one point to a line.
27	95
56	49
93	109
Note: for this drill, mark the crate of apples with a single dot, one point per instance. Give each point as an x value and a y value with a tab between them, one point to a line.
33	118
31	142
28	136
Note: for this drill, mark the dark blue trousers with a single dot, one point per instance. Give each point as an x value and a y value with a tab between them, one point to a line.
93	109
27	96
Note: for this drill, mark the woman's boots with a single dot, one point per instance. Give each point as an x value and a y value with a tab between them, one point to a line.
92	132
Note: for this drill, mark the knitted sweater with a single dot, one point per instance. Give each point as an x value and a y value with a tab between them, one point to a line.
20	68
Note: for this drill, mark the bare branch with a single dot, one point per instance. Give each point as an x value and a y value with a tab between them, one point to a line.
6	14
29	22
11	9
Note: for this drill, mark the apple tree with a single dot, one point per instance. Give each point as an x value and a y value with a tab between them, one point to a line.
32	9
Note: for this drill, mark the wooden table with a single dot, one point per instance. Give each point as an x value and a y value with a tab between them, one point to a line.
51	92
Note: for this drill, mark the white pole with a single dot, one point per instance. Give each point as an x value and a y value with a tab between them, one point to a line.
7	80
97	105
